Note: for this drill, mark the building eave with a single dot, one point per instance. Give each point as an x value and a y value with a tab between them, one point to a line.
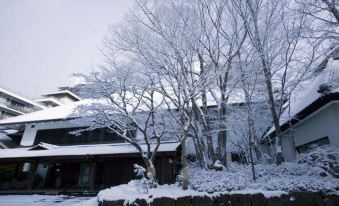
301	116
76	97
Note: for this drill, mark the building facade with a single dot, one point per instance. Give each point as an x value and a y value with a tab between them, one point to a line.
51	158
12	104
311	117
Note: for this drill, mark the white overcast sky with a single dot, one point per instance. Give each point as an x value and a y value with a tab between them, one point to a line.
42	42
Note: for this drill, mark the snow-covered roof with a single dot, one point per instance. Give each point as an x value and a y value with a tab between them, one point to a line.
50	114
43	145
63	92
68	111
307	93
82	150
20	97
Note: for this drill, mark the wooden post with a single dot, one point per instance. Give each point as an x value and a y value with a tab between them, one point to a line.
33	175
93	175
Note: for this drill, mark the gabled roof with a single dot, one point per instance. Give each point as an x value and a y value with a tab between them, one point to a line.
306	99
310	109
82	150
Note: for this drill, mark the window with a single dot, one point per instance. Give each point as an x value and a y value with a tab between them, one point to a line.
308	146
85	175
64	137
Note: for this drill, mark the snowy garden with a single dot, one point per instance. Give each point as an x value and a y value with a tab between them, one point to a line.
222	78
227	81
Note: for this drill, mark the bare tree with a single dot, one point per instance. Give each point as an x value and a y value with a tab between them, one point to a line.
221	37
274	30
125	101
323	18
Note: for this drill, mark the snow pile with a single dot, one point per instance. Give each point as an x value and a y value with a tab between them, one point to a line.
135	190
91	202
286	177
46	200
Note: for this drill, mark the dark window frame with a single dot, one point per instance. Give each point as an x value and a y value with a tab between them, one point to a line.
306	147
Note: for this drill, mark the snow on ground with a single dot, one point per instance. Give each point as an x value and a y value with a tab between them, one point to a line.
46	200
313	172
133	190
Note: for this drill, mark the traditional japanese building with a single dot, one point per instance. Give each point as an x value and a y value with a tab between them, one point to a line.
49	158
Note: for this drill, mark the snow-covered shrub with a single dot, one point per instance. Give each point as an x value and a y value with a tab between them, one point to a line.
325	158
218	165
144	182
290	176
139	171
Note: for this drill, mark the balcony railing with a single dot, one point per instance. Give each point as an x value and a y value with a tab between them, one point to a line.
16	107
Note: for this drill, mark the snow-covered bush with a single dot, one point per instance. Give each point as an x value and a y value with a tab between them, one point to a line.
145	182
288	177
325	158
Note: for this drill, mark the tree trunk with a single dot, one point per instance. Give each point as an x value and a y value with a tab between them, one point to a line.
206	131
222	134
185	173
268	81
205	119
151	173
250	140
199	152
275	118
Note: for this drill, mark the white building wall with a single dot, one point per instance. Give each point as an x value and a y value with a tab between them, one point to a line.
31	130
322	123
65	99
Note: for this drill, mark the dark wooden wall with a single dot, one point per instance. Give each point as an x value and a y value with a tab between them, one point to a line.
112	171
118	171
63	172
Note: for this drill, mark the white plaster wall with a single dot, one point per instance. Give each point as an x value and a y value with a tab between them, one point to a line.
31	130
321	124
65	99
288	147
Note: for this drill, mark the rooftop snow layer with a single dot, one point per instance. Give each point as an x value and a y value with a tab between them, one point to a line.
82	150
307	93
55	113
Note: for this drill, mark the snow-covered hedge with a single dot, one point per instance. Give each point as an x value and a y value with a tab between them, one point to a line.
287	177
313	171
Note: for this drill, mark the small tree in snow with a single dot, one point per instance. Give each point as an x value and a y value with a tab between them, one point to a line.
125	102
